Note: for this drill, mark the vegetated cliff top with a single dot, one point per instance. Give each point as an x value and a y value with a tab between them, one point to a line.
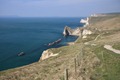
107	22
93	61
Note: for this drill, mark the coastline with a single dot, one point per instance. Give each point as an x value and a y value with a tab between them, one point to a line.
88	51
30	39
78	31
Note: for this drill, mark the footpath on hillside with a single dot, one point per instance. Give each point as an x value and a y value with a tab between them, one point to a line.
109	47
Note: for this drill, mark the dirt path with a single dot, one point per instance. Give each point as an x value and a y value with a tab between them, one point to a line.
108	47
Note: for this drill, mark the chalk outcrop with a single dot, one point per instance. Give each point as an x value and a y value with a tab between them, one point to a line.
76	32
47	53
67	31
73	32
85	33
85	21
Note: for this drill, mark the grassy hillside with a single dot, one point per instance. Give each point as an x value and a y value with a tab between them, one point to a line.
87	59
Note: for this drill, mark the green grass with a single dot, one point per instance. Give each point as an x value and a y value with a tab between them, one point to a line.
110	65
110	32
116	46
89	38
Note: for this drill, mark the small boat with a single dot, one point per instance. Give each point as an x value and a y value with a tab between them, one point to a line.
21	54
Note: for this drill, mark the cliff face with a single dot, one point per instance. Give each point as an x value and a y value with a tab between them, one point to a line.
46	54
82	32
85	21
67	31
73	32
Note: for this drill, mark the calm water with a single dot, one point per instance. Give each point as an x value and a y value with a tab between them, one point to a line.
30	35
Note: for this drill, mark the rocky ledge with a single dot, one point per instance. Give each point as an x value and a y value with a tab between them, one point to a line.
47	53
80	31
75	32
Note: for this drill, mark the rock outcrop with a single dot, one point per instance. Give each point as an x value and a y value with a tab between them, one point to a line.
46	54
67	31
86	32
74	32
85	21
82	32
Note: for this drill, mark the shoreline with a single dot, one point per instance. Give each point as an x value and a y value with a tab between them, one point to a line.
78	31
50	54
27	53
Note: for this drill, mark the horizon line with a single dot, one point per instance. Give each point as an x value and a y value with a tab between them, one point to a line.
41	17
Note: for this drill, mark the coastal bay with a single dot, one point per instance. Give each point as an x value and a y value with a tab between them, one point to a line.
31	36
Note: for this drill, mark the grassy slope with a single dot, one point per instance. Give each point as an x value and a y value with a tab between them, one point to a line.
96	63
110	62
110	66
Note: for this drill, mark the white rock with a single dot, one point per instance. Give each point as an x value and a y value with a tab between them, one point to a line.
77	32
86	21
46	54
84	37
86	32
86	43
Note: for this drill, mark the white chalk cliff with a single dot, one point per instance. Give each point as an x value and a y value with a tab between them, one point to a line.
85	21
85	33
73	32
46	54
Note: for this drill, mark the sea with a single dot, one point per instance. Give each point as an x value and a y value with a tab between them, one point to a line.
31	36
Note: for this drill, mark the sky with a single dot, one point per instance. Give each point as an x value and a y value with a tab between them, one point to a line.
56	8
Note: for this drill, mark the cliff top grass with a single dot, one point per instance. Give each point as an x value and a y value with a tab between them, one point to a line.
110	22
94	62
110	62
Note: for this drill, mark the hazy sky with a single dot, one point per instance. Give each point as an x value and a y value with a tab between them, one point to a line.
57	8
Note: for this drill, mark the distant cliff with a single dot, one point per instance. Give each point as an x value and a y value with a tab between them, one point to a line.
75	32
80	31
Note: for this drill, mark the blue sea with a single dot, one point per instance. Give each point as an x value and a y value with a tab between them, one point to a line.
31	36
